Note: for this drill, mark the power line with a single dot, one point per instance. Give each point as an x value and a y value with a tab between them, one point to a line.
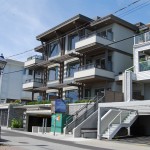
127	6
75	30
92	49
135	8
20	53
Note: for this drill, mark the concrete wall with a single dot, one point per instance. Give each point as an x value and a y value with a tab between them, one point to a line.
120	33
16	113
121	62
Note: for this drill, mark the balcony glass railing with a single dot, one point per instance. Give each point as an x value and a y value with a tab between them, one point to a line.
38	80
35	57
144	65
145	37
92	65
109	37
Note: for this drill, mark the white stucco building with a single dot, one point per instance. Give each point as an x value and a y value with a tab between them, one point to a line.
12	79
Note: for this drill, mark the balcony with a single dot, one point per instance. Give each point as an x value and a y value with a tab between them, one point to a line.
31	61
142	39
93	72
91	42
32	83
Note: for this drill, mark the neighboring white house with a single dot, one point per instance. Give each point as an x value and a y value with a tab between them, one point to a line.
12	78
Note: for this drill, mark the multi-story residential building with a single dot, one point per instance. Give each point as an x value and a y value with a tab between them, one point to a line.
11	83
137	78
81	57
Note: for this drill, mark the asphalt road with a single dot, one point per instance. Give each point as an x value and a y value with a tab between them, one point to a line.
30	142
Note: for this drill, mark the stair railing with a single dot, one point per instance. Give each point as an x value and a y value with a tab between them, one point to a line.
120	117
86	113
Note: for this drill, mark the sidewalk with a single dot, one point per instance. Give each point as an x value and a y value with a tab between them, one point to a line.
115	145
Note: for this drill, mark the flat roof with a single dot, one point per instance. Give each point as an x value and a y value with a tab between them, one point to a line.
107	20
64	27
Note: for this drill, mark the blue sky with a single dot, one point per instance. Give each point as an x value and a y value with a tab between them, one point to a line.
22	20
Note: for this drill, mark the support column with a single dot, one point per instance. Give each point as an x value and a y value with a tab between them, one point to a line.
60	93
127	86
32	96
129	132
106	59
99	136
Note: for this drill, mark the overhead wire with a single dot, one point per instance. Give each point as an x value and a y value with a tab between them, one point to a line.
81	29
74	30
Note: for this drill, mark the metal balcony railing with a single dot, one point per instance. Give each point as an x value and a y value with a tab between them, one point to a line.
144	65
89	66
142	38
35	57
38	80
95	33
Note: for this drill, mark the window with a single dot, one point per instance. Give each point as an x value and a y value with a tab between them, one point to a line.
52	95
87	93
53	74
72	40
108	34
99	92
71	96
71	68
54	49
30	72
24	71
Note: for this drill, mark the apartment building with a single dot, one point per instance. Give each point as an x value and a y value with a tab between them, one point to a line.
137	78
80	58
11	83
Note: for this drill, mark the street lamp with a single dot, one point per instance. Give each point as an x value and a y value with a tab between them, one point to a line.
3	63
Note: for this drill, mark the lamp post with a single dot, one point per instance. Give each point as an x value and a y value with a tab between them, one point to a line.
3	63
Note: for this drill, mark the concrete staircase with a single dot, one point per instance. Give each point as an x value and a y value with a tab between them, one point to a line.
82	115
122	118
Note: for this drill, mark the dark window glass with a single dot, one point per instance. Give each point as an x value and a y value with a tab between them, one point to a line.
71	96
24	71
53	74
54	49
99	92
109	34
71	68
103	34
30	72
72	40
87	93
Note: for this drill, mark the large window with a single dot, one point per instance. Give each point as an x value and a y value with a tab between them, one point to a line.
72	40
54	49
71	68
108	34
87	93
53	74
71	96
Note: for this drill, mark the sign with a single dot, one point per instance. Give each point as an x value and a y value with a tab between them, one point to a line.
60	106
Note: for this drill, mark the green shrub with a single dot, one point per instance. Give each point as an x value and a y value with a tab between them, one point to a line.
16	123
37	102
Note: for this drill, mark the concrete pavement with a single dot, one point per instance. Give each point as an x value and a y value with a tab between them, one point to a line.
32	141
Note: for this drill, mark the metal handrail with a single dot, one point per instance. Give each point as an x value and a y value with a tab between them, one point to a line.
93	34
121	111
83	116
35	57
34	80
115	108
78	111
